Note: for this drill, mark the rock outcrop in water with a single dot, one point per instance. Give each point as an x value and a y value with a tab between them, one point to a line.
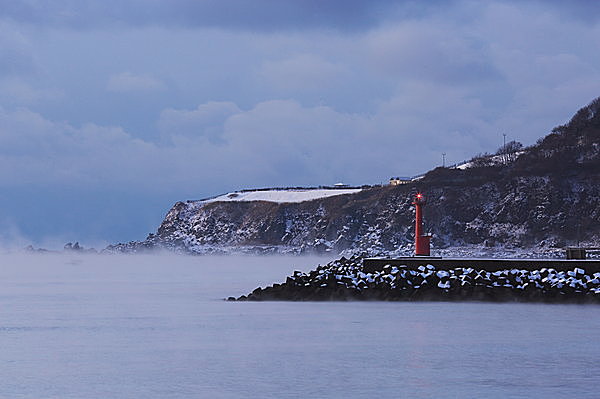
344	279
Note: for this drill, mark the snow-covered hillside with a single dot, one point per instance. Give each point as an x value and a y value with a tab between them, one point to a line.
517	214
282	196
546	197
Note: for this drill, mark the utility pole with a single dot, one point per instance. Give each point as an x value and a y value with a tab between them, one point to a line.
443	159
504	151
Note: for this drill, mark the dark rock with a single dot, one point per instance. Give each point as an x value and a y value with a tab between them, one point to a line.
334	282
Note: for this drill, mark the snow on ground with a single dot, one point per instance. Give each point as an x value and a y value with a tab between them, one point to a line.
493	159
464	166
282	196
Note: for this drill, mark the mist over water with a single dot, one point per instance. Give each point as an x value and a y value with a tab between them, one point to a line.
89	326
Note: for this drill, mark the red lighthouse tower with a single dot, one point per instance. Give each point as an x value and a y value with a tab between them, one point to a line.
421	239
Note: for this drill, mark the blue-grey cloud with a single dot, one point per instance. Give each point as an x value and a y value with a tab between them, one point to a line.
129	82
16	57
207	121
110	111
259	15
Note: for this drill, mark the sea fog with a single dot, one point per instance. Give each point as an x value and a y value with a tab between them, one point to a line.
141	326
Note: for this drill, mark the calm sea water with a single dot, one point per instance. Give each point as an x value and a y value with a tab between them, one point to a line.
157	327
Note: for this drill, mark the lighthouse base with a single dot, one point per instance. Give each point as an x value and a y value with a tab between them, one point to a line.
422	246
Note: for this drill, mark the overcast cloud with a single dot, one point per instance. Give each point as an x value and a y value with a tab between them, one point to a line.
110	111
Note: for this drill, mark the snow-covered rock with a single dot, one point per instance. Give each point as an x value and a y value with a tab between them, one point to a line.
345	279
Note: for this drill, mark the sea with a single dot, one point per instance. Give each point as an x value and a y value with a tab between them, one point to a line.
157	326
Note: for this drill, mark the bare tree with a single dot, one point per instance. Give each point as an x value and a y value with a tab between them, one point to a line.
481	160
508	152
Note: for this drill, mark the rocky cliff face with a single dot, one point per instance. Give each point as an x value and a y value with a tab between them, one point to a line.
549	197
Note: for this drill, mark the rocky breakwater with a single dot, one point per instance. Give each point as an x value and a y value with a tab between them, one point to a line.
344	279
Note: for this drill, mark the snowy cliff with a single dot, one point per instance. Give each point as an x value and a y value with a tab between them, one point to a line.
548	196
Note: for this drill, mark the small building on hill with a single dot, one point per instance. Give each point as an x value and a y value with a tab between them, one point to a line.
396	181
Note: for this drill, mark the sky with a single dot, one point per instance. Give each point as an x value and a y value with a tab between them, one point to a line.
113	110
